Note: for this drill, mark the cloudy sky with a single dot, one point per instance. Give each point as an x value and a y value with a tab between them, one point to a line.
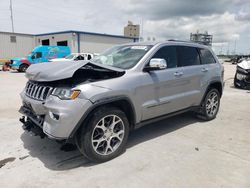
227	20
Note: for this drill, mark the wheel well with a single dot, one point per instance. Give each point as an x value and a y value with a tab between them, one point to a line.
23	64
127	108
216	85
123	104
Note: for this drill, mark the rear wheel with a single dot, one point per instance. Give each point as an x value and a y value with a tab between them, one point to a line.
210	105
105	135
23	68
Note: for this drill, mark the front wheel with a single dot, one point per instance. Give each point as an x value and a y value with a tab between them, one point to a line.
23	68
210	105
105	135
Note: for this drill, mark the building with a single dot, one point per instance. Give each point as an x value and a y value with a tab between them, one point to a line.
19	45
15	44
203	38
132	30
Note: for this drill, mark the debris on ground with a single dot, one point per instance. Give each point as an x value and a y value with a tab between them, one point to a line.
24	157
6	160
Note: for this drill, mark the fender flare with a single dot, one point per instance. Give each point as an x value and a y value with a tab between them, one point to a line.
25	61
209	86
98	103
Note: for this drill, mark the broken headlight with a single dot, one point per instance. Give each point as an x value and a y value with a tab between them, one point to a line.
240	76
66	93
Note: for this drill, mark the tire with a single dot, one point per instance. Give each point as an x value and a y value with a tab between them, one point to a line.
235	85
23	68
98	140
209	108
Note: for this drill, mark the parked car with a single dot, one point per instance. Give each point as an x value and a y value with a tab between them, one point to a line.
75	57
39	54
95	104
242	75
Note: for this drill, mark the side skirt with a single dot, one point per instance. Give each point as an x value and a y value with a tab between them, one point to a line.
153	120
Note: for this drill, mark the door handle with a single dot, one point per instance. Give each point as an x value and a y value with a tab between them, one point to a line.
178	74
204	70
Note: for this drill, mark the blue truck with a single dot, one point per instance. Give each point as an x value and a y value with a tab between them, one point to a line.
39	54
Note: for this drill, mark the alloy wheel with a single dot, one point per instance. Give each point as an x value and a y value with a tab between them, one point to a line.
212	104
108	134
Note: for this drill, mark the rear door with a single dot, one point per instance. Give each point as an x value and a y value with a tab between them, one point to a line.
189	61
209	68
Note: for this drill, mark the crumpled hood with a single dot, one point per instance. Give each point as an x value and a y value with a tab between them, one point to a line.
52	71
245	64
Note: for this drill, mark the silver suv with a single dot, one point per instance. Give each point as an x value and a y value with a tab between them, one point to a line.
97	103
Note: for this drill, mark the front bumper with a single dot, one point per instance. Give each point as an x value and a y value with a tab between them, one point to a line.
242	80
56	117
14	67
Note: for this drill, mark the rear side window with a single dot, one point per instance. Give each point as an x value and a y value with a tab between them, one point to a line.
187	56
206	57
169	54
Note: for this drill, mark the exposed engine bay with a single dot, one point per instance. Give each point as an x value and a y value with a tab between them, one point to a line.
87	73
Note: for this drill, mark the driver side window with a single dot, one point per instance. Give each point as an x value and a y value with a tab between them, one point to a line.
169	54
37	55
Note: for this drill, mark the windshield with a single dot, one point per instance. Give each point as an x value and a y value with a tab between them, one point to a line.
30	54
124	57
70	56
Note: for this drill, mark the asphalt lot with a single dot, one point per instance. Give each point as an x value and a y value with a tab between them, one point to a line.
178	152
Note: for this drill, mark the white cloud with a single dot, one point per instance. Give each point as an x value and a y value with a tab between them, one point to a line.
222	26
226	20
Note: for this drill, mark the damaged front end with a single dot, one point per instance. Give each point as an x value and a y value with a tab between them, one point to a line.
54	102
30	126
242	75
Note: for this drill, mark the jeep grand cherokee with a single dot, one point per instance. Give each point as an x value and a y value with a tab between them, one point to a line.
97	103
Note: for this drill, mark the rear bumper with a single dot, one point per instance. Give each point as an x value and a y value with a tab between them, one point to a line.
57	118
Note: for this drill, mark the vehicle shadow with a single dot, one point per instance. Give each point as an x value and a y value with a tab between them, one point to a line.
160	128
48	151
15	71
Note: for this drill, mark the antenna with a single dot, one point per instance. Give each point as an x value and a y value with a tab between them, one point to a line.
11	16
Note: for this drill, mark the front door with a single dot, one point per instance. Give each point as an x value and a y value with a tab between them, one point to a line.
167	86
37	57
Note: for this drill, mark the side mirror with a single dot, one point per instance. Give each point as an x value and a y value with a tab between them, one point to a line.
156	64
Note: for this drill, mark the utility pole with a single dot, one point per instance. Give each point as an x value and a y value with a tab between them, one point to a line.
228	47
141	31
235	47
11	16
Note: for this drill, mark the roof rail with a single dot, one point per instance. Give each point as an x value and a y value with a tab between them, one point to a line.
188	41
174	40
